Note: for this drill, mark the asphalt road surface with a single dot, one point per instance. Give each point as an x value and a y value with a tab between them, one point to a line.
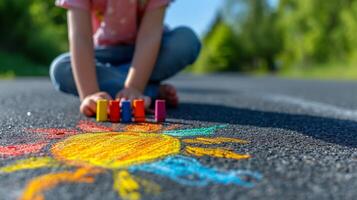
302	139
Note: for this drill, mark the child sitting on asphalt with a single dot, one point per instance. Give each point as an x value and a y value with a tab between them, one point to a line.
121	49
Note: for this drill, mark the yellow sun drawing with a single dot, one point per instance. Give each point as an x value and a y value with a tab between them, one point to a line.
162	150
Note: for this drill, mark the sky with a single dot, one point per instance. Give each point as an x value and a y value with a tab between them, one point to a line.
197	14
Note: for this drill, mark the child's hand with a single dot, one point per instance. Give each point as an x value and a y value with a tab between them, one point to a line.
89	104
132	94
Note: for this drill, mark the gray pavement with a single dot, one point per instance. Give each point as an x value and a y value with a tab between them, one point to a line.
302	133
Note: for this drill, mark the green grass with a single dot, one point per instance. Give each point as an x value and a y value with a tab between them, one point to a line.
330	71
336	71
14	65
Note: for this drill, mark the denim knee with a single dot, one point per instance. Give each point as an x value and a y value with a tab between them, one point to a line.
180	48
61	74
185	45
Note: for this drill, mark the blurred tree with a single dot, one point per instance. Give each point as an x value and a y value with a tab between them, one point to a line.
349	29
34	28
219	49
317	31
246	34
244	37
249	35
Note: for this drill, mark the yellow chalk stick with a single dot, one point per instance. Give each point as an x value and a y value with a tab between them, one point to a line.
102	110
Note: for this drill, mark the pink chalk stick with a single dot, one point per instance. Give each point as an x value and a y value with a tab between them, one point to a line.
160	110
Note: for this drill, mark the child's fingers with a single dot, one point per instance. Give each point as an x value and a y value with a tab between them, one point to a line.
120	95
122	99
132	97
88	112
86	109
147	101
99	97
104	95
92	105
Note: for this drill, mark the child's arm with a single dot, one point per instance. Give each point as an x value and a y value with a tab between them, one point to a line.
146	52
82	52
82	58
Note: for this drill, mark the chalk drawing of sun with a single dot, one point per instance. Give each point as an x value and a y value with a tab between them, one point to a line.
90	149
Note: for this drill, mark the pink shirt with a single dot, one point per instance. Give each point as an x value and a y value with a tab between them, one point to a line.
114	21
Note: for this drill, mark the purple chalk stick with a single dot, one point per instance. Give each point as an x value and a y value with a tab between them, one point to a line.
160	110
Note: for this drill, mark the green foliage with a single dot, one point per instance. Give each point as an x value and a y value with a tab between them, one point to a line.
35	28
293	36
13	65
311	34
219	49
296	34
348	28
244	37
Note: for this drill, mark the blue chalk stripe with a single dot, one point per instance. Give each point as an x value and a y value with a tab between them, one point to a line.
188	171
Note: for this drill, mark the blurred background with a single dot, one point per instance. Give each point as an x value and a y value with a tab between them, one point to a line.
290	38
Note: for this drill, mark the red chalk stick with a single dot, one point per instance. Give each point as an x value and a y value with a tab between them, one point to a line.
139	110
114	111
160	110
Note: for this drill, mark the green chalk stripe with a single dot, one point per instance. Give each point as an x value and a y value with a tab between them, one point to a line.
194	132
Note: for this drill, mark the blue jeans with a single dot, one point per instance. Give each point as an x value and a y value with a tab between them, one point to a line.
180	47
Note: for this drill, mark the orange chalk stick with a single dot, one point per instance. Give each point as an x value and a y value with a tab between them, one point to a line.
139	110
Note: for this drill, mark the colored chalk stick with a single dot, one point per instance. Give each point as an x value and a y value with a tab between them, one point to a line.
126	114
102	110
114	111
139	110
160	110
